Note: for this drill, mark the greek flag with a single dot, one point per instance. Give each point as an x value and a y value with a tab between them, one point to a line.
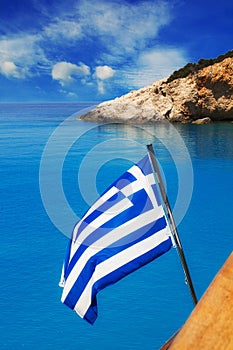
125	229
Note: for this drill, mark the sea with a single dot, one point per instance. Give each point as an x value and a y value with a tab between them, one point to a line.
53	167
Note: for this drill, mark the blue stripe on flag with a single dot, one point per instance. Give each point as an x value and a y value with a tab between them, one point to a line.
145	166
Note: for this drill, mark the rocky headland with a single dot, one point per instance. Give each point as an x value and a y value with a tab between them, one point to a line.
198	93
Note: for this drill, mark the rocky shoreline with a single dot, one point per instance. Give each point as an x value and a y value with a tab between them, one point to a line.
202	96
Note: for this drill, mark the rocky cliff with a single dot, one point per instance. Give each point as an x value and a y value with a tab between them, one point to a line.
203	93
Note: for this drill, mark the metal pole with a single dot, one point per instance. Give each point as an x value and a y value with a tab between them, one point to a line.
172	223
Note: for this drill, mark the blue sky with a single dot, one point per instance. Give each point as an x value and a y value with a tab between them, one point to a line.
89	50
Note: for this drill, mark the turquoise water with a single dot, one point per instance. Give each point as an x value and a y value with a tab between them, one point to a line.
144	309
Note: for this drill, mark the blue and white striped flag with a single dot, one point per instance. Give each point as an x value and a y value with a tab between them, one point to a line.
125	229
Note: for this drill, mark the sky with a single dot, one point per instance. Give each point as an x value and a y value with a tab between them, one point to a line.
96	50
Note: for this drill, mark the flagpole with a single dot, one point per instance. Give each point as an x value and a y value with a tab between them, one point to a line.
172	223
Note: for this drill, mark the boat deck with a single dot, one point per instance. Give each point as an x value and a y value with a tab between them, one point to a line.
210	325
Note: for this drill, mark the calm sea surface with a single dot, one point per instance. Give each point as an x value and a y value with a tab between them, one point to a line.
44	189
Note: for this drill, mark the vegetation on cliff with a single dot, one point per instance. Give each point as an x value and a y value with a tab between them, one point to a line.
194	67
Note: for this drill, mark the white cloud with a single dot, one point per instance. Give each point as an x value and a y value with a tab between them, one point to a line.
123	27
120	26
63	29
66	72
100	85
162	58
126	25
72	94
104	72
153	65
25	53
10	70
